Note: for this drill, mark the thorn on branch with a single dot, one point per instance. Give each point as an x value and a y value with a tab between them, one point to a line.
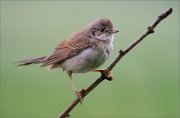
121	51
150	29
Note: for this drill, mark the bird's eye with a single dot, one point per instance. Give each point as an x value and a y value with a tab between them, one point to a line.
102	30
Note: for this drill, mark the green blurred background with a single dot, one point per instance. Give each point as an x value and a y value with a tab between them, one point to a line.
147	79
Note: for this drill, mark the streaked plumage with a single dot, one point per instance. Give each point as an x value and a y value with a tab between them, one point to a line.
83	51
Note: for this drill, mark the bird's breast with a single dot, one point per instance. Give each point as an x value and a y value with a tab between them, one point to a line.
89	59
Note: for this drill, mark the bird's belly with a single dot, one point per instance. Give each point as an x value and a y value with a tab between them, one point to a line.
87	60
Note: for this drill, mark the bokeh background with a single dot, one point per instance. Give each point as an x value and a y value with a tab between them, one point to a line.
147	78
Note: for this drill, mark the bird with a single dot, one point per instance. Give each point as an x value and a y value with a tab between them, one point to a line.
84	51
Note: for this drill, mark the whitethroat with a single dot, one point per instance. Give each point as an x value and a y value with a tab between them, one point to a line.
83	51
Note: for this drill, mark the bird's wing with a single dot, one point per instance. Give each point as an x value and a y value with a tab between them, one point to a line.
67	49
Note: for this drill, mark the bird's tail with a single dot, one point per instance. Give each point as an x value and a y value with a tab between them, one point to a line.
37	60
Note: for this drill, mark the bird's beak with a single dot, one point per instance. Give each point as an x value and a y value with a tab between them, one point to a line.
114	31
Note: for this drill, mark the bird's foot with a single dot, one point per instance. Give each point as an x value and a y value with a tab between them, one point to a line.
105	73
79	96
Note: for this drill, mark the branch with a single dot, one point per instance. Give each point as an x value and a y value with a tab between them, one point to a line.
122	52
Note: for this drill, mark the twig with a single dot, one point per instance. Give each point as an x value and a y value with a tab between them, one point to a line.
123	52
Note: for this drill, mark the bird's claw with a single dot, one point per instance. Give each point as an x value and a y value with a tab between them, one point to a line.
79	96
105	73
108	75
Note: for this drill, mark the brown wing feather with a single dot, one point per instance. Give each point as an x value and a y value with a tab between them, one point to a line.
67	49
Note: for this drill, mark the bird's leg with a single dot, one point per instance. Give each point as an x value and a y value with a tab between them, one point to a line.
105	73
78	94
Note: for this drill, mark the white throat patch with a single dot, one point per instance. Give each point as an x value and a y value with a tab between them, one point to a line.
108	37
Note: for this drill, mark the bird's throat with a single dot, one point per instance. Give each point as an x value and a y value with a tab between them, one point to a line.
105	37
